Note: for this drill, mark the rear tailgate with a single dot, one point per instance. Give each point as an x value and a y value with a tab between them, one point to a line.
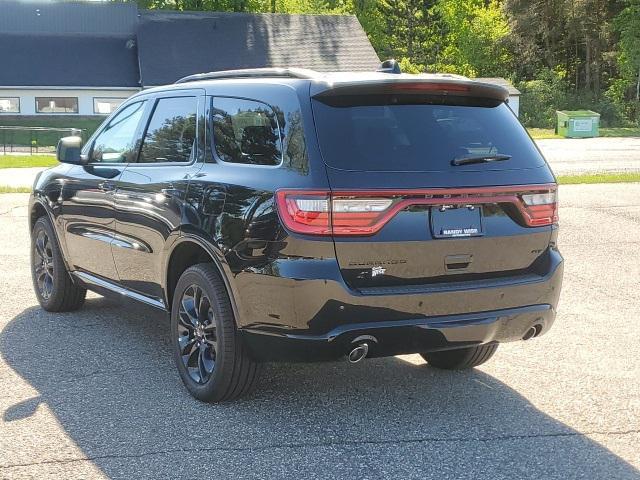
404	214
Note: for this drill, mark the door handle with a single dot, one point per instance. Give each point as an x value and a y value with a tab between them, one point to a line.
107	186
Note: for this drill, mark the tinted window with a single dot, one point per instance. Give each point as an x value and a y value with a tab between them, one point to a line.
115	142
420	137
245	131
171	134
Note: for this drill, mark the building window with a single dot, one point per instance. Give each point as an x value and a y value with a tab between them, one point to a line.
106	106
9	105
57	104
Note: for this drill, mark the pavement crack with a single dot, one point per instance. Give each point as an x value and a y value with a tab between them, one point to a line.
11	209
343	443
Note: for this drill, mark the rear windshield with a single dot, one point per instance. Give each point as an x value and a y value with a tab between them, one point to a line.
392	134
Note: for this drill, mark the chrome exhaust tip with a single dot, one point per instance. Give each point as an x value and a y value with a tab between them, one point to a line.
532	332
358	353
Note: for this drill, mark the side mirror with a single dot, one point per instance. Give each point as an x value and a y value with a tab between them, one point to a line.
68	150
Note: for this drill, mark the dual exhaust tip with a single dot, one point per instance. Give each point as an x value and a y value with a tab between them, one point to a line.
360	348
533	331
358	353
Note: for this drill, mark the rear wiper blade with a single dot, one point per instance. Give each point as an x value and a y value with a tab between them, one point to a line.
469	159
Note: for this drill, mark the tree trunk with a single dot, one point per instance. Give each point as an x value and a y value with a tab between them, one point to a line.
410	31
273	6
596	68
638	87
587	64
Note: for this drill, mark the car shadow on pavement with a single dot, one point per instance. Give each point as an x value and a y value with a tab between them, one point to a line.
106	373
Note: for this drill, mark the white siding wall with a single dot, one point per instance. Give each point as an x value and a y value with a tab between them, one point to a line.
85	98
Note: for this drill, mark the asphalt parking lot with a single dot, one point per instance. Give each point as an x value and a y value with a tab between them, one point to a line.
571	156
94	394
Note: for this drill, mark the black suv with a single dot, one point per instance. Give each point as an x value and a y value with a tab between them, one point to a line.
284	214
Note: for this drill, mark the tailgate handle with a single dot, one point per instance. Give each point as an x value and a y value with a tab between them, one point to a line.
457	263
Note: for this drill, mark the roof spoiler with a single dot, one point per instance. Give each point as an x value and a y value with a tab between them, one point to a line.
436	85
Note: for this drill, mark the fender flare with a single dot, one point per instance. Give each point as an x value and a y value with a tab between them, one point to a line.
218	260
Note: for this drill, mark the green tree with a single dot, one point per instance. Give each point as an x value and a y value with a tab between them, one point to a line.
628	25
410	30
474	34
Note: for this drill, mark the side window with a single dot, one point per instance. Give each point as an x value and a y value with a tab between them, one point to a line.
115	143
171	134
245	131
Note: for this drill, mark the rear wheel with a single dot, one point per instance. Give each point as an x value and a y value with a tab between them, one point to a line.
52	283
211	358
462	358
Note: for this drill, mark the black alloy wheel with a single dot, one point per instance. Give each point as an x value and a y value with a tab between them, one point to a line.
55	290
43	264
212	359
197	336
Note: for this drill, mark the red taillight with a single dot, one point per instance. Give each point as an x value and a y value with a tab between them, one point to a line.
305	212
320	213
540	208
366	212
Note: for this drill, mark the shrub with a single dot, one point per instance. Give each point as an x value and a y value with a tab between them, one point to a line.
541	98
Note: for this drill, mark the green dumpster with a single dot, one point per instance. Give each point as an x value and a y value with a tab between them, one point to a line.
578	123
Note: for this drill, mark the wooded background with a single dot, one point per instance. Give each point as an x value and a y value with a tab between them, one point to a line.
562	54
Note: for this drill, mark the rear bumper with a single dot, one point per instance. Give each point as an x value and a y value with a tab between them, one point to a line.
312	319
403	336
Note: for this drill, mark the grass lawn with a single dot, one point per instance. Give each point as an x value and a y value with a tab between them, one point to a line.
545	133
7	189
625	177
45	139
23	161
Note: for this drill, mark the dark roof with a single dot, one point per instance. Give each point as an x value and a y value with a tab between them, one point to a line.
64	18
174	44
68	60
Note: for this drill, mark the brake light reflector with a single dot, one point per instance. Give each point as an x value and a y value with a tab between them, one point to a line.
431	86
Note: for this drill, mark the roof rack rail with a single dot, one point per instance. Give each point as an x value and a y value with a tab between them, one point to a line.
251	73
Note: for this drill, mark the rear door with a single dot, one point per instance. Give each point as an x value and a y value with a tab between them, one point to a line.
429	189
150	200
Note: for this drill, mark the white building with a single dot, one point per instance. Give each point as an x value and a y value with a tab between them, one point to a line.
66	58
514	93
84	58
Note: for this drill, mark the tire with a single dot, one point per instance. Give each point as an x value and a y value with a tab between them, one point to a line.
53	285
211	358
461	359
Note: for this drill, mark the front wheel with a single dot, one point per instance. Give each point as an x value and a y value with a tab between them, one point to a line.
462	358
212	361
55	290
